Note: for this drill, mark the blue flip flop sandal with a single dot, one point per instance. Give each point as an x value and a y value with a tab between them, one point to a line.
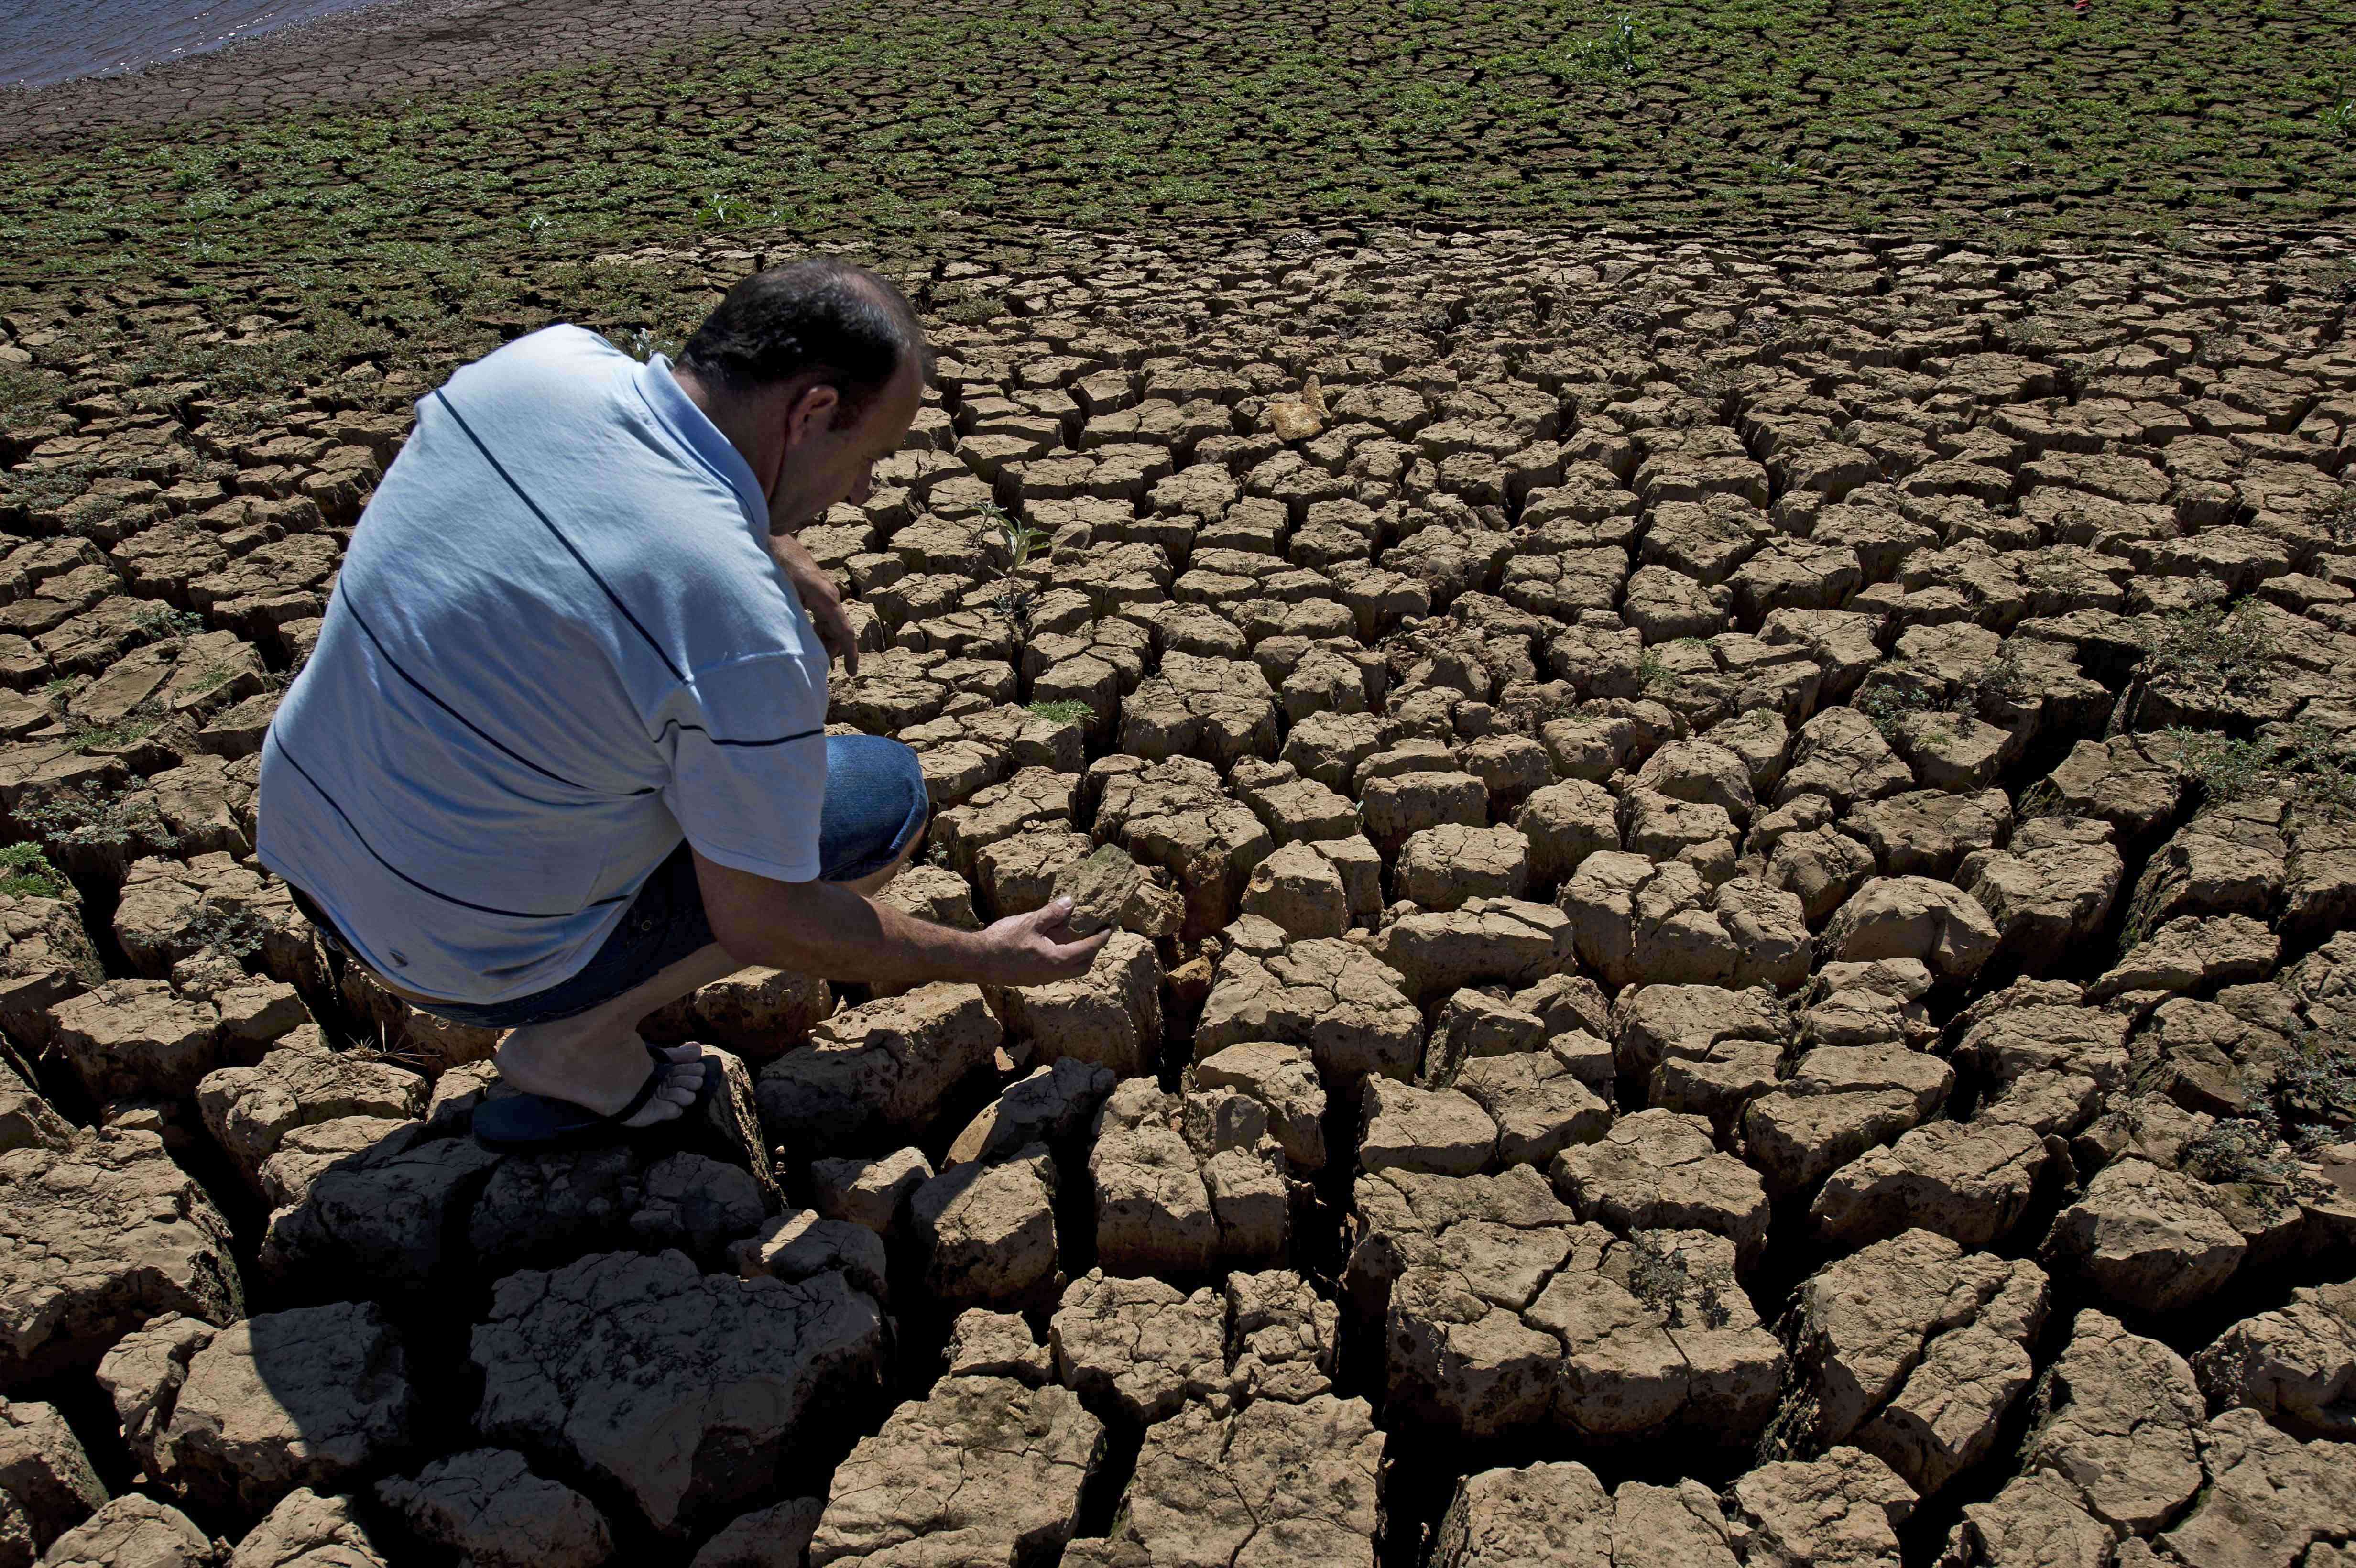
523	1124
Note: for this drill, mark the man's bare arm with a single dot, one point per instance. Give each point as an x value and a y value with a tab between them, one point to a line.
819	599
825	929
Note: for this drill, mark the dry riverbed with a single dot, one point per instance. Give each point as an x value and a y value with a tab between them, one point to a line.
1735	867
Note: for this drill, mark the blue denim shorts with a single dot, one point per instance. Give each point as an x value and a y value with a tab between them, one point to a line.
876	807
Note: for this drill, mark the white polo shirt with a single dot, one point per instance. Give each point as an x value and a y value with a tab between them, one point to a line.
558	643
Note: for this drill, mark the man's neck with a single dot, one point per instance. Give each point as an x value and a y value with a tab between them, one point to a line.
740	421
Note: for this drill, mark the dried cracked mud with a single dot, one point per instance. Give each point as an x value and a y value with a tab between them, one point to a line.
1733	870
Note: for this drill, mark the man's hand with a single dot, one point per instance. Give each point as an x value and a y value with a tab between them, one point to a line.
1038	948
818	597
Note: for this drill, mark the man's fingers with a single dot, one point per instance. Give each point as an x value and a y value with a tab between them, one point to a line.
845	641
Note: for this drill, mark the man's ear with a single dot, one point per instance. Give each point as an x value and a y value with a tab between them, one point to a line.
811	411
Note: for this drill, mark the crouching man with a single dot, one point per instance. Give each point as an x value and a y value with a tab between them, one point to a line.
559	756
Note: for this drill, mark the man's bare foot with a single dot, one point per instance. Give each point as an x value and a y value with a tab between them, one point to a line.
600	1076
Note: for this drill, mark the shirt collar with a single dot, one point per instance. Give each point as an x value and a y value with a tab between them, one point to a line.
696	432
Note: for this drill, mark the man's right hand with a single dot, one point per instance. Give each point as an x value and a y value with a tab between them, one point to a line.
1038	948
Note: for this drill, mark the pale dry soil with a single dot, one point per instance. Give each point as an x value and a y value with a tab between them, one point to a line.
1733	872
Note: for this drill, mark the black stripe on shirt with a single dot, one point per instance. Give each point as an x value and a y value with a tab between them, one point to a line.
362	841
615	599
394	665
558	534
716	741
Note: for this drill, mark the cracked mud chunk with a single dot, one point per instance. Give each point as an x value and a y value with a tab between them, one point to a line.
1153	1212
1927	833
1971	1183
370	1202
772	1537
1402	1127
799	1243
1559	1516
2050	890
1033	798
1488	941
1399	805
307	1531
1841	755
1840	1511
134	1531
2147	1239
1537	1099
485	1507
249	1109
1052	1106
1564	823
2131	782
27	1120
1215	709
138	1037
1297	810
233	1419
2229	859
1281	1338
879	1070
1915	1351
100	1236
1660	1171
45	957
2270	1497
758	1011
1273	1483
2041	1027
987	1233
1701	773
2115	1418
1139	1348
1502	1314
1109	1017
1839	1102
1300	891
2295	1365
985	1344
870	1192
47	1483
1174	815
2036	1521
683	1393
1099	885
1444	867
1328	996
985	1471
2193	953
1283	1080
1912	917
1632	920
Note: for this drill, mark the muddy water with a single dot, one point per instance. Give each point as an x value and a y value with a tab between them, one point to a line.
45	41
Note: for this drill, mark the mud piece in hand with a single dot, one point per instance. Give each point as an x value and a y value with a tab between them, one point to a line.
1100	886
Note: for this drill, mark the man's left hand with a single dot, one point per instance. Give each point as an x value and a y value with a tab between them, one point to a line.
819	598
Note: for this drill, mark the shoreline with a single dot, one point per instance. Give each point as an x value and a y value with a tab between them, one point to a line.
396	47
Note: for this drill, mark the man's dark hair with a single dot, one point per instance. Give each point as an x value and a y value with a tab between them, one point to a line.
844	323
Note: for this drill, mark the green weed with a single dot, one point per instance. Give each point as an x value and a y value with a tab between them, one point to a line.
2315	1087
1064	710
96	817
1619	52
2302	762
26	873
231	930
2214	647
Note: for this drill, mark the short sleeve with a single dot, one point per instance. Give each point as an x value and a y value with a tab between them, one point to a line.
747	747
